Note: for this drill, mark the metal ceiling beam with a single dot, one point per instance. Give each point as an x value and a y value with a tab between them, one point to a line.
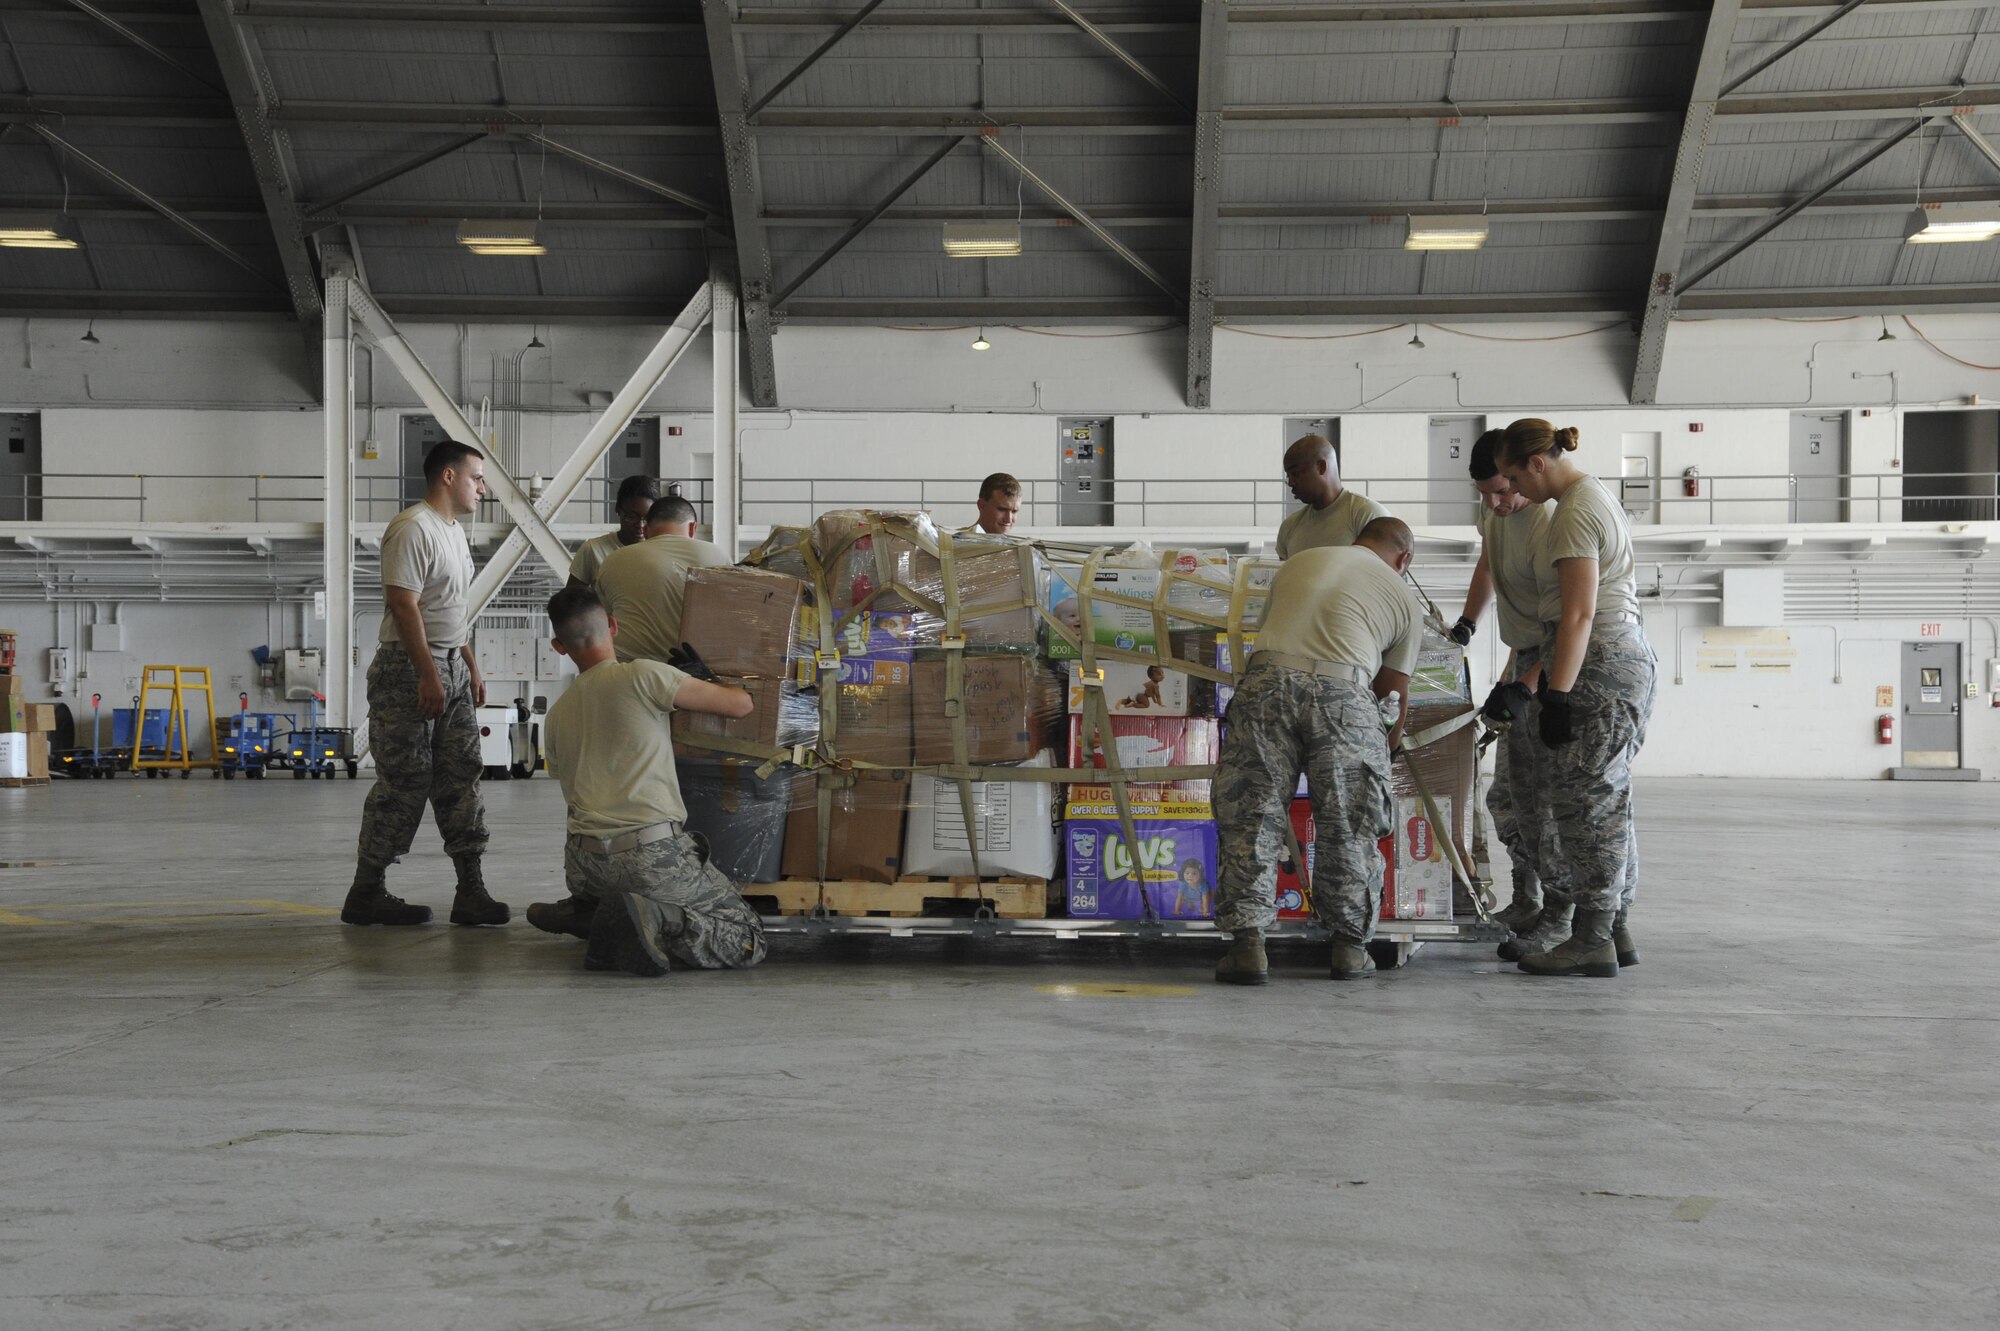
663	121
166	57
1121	55
1753	303
395	172
271	160
596	441
864	222
701	206
746	197
1206	225
1697	126
633	18
991	141
149	112
187	224
19	301
1794	209
499	482
1978	140
203	210
814	58
1794	44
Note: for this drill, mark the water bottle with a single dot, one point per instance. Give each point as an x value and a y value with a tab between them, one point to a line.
1392	709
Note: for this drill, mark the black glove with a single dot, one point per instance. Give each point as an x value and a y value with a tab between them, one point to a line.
1461	632
688	661
1508	703
1557	729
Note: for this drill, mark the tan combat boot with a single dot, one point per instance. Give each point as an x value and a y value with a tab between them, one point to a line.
1589	950
1244	962
1527	902
1621	938
1542	933
1351	960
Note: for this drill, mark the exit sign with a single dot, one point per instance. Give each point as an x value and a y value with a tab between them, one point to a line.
1930	630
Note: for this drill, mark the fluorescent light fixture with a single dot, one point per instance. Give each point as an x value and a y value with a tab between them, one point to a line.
499	237
1951	223
982	240
35	231
1465	231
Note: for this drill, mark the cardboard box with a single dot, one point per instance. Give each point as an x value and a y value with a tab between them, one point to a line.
1416	877
1177	868
1015	823
41	716
872	724
13	756
13	714
742	621
1292	886
865	837
1449	768
866	552
12	683
38	755
1203	583
1156	742
1012	706
781	717
1131	689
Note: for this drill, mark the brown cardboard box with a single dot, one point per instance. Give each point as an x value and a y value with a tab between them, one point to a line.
13	714
1449	767
873	724
866	840
1012	705
781	718
41	716
15	684
742	621
38	757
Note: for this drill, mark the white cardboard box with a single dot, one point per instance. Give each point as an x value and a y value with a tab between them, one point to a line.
1130	690
1015	826
13	756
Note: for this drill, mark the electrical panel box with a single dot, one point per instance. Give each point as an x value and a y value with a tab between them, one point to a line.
1753	597
1083	471
107	637
58	667
489	649
520	656
549	663
302	674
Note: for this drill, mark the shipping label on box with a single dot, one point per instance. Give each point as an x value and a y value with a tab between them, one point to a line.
1131	689
1416	876
1175	870
1014	821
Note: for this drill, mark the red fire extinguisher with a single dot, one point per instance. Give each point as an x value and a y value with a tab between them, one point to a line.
1885	729
1691	483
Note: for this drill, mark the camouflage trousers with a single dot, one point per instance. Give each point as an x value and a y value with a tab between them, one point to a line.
695	912
1590	779
419	761
1523	819
1282	722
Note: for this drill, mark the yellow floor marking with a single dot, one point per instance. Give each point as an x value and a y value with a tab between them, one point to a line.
1695	1208
260	908
1117	990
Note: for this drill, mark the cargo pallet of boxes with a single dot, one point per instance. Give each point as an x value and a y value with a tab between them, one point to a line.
946	725
24	726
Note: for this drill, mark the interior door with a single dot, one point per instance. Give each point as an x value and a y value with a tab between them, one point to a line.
1819	461
1930	704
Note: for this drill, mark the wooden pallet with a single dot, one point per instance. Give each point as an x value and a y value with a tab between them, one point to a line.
1010	898
11	782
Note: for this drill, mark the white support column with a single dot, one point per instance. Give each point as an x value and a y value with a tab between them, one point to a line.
499	483
337	339
723	509
604	431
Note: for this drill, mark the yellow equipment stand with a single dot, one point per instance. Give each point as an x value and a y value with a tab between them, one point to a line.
178	682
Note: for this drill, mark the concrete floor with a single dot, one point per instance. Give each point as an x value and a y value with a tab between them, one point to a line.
220	1108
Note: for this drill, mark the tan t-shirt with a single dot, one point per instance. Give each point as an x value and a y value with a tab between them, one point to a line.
1510	546
425	554
590	557
644	585
1336	524
1342	603
1587	524
609	743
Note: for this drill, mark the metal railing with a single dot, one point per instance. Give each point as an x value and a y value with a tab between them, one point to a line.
1194	503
